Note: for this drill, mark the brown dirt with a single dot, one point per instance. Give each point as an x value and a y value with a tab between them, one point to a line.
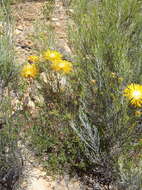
60	22
25	15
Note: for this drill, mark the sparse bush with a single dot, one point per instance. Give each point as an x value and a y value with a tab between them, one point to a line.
106	39
52	138
10	158
93	98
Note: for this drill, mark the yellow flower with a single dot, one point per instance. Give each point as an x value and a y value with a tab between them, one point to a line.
33	59
62	65
120	79
134	93
138	113
52	55
55	66
29	70
65	66
93	81
113	75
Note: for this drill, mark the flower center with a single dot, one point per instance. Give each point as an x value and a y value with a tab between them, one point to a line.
62	65
52	55
137	94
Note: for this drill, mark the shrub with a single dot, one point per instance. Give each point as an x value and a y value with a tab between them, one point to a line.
10	158
106	39
52	138
94	97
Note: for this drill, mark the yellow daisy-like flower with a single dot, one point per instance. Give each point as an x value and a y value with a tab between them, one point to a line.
65	66
62	65
29	71
33	59
55	66
134	93
52	55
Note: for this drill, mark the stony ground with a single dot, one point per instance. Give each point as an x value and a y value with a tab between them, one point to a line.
34	176
26	14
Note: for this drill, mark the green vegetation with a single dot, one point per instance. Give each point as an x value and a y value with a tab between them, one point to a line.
48	9
10	158
80	112
107	46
